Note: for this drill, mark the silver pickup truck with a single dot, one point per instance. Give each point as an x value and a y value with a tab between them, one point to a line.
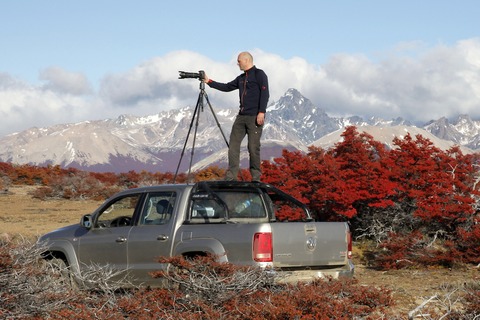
244	223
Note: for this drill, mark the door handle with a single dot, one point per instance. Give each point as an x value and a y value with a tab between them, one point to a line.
121	239
162	237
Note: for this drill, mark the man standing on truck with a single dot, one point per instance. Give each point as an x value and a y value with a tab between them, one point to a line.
254	93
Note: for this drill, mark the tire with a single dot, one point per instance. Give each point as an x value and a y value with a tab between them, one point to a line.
66	276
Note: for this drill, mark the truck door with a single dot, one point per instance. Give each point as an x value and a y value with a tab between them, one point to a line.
152	237
105	244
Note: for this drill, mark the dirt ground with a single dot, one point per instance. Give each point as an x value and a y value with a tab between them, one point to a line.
22	214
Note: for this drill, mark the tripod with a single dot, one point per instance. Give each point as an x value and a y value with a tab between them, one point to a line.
196	116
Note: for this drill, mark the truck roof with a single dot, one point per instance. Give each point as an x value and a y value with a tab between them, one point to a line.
198	185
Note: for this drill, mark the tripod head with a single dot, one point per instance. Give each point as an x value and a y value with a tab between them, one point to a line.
193	75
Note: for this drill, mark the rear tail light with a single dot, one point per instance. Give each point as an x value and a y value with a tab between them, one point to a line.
349	245
262	247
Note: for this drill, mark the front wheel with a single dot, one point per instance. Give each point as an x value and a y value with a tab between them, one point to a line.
64	272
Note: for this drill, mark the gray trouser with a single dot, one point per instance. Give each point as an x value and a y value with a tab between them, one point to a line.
244	125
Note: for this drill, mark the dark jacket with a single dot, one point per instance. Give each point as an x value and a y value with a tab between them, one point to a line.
253	90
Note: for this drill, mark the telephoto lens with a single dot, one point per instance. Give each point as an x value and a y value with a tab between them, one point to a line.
191	75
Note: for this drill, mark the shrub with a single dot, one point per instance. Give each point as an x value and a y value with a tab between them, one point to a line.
473	301
405	250
468	244
214	289
26	289
43	193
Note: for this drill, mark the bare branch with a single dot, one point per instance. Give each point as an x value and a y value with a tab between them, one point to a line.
412	313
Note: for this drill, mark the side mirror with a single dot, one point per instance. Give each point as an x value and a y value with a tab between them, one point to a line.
86	221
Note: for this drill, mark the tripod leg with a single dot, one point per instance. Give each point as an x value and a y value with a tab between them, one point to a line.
188	135
216	120
196	114
200	103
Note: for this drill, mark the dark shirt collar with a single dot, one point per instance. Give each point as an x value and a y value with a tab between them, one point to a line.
252	68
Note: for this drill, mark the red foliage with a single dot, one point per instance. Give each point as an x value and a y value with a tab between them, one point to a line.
288	213
411	250
439	183
362	173
107	178
395	252
352	175
360	180
7	175
468	244
321	299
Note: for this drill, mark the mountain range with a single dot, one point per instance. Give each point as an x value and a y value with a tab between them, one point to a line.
192	138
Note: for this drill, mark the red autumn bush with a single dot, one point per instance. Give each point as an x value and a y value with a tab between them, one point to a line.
469	244
412	188
400	251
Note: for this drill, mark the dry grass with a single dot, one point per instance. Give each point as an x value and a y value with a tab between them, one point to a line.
21	214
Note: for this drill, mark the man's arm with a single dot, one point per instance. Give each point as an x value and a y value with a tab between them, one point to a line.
264	96
230	86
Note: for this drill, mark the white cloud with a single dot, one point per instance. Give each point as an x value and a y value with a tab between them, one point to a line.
442	81
418	84
62	81
156	83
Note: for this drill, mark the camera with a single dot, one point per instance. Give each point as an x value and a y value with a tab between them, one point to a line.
200	75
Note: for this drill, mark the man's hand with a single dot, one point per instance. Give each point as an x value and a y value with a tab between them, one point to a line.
260	118
205	78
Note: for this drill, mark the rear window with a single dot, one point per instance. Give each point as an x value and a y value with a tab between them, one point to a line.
238	205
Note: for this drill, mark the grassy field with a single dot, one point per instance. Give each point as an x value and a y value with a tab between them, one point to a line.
22	214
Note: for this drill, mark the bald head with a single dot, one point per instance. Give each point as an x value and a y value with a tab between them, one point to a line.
245	61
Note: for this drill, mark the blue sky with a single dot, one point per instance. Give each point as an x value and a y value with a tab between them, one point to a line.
69	61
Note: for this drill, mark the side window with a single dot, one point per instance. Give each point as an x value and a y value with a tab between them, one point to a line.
158	208
119	213
287	210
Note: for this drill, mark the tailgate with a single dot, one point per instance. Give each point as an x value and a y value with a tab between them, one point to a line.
309	244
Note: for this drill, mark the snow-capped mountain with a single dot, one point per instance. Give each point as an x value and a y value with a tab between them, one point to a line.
150	143
158	142
462	131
